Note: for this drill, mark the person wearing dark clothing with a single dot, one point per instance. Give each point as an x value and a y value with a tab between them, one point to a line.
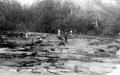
66	37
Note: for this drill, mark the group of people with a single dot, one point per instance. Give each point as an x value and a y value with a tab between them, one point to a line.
65	34
62	35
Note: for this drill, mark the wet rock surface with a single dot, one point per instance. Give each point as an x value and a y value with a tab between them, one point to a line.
84	55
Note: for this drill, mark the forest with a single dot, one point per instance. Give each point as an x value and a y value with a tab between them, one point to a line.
48	16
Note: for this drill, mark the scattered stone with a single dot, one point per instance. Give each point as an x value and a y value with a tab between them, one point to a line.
79	68
61	44
118	52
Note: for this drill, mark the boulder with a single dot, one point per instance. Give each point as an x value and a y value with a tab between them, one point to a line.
118	52
80	68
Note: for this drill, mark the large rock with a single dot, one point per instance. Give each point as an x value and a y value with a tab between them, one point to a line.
118	52
79	68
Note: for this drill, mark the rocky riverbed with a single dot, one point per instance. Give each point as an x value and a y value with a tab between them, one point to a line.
84	55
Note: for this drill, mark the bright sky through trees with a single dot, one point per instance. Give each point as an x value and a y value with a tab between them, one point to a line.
26	2
29	2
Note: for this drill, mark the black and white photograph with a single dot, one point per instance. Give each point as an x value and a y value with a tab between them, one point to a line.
59	37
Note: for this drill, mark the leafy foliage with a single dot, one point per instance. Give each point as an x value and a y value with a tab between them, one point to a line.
50	15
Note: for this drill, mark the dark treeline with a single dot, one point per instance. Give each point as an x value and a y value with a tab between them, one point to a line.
50	15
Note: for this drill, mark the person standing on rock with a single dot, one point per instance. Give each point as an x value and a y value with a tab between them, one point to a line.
71	34
59	32
66	37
